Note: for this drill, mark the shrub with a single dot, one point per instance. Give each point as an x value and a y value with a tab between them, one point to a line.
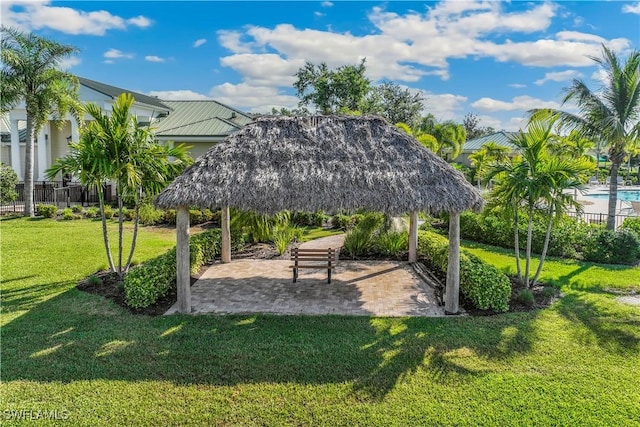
108	212
195	217
91	212
632	224
76	209
94	280
126	214
612	247
67	214
392	243
525	297
311	219
483	284
170	216
47	211
145	284
360	240
283	235
345	222
149	215
8	182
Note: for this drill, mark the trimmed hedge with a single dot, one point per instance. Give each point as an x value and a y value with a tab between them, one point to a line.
483	284
47	211
147	283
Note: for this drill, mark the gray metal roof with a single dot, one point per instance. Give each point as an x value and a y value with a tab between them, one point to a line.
200	118
114	92
502	138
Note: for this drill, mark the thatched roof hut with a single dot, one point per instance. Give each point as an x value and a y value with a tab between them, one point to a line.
329	163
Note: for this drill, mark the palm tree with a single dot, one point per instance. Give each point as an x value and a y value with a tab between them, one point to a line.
535	180
488	154
609	114
444	139
424	138
30	73
114	147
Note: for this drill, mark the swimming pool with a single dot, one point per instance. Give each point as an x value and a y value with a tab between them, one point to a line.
626	195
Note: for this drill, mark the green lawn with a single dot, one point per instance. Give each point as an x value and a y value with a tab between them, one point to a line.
575	363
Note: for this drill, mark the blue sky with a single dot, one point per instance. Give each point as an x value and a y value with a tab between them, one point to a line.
491	58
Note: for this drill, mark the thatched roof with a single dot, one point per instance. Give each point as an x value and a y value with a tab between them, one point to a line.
325	163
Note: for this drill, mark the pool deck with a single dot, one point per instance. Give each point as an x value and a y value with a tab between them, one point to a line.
601	205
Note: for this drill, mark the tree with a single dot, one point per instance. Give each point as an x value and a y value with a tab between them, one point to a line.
114	147
394	103
8	181
535	181
609	114
30	73
445	139
471	123
490	153
331	91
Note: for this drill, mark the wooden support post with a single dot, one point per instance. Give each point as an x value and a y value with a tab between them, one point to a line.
413	237
451	296
226	235
183	272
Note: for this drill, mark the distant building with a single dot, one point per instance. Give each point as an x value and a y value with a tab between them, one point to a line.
197	123
502	138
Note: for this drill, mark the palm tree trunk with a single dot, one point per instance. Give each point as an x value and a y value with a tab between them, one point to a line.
28	168
135	236
516	241
547	237
527	267
613	194
120	232
105	233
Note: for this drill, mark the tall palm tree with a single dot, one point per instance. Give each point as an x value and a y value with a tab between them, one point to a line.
609	114
30	72
488	154
114	147
533	181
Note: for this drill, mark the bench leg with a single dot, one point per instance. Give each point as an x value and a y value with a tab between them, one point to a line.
329	275
295	275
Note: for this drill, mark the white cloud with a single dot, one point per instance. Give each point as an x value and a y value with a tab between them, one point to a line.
199	42
252	98
600	76
117	54
517	85
523	103
69	63
108	61
326	4
264	69
231	40
629	8
558	76
154	58
444	106
36	15
319	14
178	95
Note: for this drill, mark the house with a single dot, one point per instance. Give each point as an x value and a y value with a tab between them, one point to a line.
197	123
502	138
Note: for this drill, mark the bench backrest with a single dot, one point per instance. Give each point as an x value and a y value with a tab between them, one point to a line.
301	254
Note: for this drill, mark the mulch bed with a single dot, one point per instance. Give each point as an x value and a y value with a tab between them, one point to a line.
112	289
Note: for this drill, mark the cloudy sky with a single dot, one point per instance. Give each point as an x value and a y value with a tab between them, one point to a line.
491	58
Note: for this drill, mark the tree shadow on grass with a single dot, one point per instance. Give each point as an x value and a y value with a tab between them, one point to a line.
75	336
613	331
26	298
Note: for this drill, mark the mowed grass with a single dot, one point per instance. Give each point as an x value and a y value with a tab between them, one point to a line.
575	363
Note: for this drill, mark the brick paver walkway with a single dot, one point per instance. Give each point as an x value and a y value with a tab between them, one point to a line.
373	288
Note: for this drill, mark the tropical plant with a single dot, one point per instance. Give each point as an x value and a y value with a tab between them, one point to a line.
114	147
8	181
535	181
30	72
445	139
489	153
609	114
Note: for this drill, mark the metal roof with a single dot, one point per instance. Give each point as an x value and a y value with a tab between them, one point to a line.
502	138
201	118
114	92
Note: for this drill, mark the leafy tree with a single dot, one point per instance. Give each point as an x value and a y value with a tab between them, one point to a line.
609	114
533	181
330	91
113	147
471	123
394	103
8	181
30	73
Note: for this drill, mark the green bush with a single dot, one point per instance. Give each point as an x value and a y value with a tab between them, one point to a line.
76	209
612	247
392	243
91	212
8	182
525	297
310	219
145	284
170	216
47	211
126	213
108	212
360	240
94	280
632	224
67	214
149	215
345	222
483	284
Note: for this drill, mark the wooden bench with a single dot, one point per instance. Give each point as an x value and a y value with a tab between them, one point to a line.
319	258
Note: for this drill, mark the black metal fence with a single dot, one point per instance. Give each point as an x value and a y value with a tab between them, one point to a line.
59	193
597	218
